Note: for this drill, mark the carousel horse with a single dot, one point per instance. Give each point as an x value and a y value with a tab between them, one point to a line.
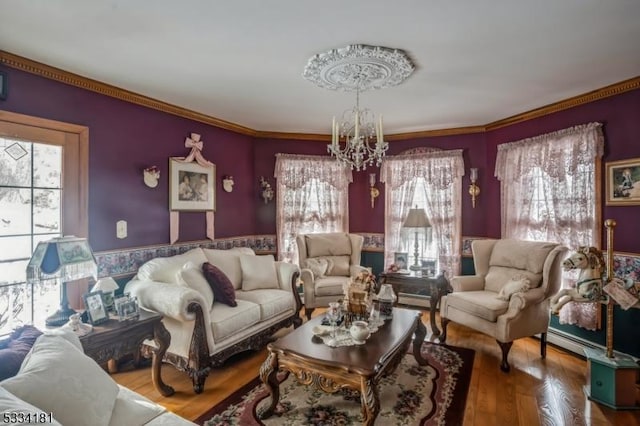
588	288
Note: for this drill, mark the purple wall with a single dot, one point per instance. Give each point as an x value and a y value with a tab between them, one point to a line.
619	114
124	139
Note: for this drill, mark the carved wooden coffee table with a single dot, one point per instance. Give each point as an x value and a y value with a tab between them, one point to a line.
353	367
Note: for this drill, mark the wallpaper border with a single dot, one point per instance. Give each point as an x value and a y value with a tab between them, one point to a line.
125	262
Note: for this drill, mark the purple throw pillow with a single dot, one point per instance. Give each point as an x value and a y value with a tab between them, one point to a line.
15	348
221	286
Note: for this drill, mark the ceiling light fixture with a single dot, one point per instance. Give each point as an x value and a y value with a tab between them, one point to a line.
357	138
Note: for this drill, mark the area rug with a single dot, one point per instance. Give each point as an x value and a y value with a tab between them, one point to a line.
413	395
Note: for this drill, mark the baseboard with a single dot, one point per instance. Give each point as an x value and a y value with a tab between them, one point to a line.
414	300
573	343
569	342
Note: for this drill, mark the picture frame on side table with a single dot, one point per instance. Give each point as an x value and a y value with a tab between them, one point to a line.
95	307
623	182
191	186
401	260
127	308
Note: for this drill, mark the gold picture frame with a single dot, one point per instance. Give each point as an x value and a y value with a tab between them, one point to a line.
191	186
623	182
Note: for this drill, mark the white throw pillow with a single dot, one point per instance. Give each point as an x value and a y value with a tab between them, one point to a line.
164	269
58	378
319	266
191	276
258	272
68	334
514	285
21	412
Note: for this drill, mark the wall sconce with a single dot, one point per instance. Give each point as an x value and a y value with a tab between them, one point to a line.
227	183
474	190
151	176
373	191
266	192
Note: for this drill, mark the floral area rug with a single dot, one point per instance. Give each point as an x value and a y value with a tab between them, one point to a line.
412	395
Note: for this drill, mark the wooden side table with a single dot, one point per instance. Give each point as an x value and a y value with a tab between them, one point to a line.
433	287
114	339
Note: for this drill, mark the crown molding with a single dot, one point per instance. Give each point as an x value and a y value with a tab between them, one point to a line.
585	98
40	69
52	73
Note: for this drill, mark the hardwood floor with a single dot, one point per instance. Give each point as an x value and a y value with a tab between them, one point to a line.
536	392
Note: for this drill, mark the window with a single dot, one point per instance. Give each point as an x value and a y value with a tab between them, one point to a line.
312	197
431	179
550	192
42	191
426	246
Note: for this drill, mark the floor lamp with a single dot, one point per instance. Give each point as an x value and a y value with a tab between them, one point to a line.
416	220
65	259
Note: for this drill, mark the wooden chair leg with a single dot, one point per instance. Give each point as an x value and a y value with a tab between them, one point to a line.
443	336
308	312
543	345
506	347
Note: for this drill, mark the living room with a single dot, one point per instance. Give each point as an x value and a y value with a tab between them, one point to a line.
129	132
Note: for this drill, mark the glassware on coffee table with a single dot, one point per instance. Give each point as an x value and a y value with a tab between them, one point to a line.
333	314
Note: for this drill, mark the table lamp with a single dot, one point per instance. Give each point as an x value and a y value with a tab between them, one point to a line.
65	259
417	220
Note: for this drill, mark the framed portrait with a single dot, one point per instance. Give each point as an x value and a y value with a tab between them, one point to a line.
191	186
623	182
95	307
127	308
401	260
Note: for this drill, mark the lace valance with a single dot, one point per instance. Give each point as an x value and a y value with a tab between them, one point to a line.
294	171
439	168
558	154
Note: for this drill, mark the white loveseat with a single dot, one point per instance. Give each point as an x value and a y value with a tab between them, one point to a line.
58	384
204	331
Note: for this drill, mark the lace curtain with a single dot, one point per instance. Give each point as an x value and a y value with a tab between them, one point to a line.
312	196
442	172
548	193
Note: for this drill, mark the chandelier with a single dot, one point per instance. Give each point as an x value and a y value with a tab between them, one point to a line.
357	138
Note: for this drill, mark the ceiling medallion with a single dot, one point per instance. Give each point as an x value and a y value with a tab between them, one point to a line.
357	138
359	67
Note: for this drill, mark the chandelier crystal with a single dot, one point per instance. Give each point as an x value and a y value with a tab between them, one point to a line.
362	135
357	137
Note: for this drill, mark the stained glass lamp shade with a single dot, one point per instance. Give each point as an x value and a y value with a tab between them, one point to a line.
65	259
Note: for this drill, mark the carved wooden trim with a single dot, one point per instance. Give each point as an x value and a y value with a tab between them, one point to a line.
75	142
585	98
37	68
199	363
52	73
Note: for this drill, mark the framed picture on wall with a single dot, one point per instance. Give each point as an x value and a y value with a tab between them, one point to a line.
3	85
623	182
191	186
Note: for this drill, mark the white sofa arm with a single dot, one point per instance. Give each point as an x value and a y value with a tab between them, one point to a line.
467	283
286	272
170	300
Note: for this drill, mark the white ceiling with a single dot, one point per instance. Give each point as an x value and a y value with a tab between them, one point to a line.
242	61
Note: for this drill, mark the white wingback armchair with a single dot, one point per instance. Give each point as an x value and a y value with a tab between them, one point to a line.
327	261
508	298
